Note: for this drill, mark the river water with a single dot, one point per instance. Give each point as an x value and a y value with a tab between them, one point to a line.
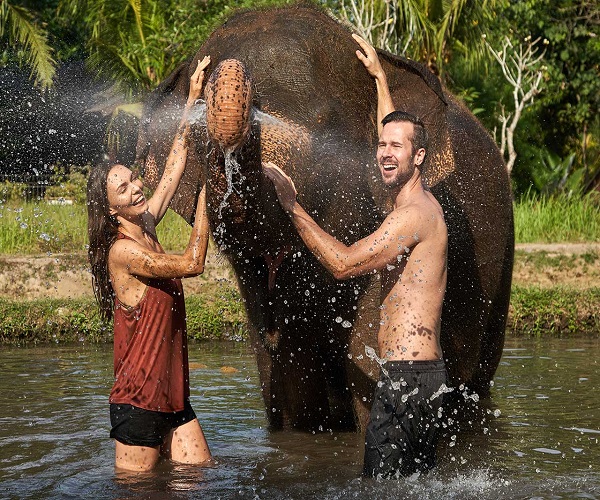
537	438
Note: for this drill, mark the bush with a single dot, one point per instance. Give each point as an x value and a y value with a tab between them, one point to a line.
11	192
78	320
71	185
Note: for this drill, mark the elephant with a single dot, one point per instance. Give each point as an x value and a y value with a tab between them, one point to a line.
286	86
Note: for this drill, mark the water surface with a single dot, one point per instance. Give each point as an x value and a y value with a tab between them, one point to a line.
537	438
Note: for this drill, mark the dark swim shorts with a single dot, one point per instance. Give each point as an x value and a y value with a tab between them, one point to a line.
138	427
406	417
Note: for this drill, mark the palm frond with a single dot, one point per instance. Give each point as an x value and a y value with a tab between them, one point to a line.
34	40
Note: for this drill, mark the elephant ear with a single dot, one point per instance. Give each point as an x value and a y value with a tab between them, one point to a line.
415	89
160	118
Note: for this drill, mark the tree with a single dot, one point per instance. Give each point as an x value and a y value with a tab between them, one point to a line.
520	67
426	30
140	42
564	119
28	41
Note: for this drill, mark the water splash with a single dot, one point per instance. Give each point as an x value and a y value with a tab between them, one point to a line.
197	115
260	117
231	166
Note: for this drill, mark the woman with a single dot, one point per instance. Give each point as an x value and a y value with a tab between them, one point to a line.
138	285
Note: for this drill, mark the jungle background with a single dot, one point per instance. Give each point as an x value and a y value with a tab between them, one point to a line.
528	69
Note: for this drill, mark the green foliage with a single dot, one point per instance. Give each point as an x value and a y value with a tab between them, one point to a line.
554	173
140	42
12	192
469	96
38	227
559	218
430	31
51	320
173	232
71	185
27	41
564	117
31	228
558	311
219	316
533	312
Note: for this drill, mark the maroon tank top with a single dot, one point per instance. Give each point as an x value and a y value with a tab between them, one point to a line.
150	349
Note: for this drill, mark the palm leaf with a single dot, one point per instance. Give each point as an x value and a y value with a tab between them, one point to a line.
24	32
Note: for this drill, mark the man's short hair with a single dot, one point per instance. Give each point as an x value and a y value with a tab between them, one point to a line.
420	138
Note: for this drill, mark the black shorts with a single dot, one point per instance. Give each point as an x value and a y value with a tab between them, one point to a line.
406	417
138	427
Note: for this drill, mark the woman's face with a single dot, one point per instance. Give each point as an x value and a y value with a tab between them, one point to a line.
125	195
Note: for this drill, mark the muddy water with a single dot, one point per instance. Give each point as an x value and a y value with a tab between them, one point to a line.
537	438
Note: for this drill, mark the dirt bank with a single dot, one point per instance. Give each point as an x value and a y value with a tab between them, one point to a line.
67	276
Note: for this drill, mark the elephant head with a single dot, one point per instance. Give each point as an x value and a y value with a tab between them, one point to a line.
288	88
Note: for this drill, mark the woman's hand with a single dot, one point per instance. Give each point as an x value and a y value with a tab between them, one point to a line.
196	80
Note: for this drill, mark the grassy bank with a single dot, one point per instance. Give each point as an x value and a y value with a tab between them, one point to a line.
555	312
33	228
557	219
76	320
534	312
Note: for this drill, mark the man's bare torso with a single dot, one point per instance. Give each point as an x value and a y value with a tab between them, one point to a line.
413	289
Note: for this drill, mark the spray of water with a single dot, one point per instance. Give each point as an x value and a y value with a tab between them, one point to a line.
258	116
198	114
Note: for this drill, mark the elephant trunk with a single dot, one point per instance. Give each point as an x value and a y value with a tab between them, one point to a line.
228	96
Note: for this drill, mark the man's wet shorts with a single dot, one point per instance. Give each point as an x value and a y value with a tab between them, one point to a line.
406	418
138	427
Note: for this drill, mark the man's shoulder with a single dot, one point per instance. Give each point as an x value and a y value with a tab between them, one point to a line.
418	206
422	216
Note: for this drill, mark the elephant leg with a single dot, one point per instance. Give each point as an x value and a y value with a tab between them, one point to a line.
363	370
298	380
339	393
252	280
286	341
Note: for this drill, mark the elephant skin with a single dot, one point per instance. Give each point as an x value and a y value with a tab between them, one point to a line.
314	114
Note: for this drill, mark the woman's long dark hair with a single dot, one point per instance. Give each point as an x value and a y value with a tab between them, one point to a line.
102	233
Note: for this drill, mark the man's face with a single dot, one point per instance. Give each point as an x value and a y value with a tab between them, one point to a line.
395	155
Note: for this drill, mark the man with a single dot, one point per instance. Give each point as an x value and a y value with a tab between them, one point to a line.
409	249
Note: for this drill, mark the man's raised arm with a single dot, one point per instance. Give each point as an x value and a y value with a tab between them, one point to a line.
367	255
371	62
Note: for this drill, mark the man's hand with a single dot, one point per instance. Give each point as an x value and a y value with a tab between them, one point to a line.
369	58
385	104
284	186
196	80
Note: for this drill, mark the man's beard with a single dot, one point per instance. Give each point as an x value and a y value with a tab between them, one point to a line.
401	179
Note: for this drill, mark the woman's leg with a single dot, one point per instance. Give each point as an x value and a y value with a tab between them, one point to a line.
186	444
136	458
